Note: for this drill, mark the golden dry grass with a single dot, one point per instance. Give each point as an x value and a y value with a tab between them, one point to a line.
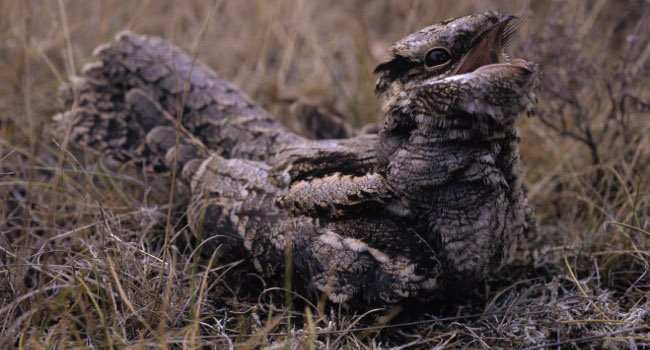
83	253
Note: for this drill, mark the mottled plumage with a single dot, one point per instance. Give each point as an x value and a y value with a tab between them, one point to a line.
436	197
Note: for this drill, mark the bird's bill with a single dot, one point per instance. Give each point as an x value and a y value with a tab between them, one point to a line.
487	51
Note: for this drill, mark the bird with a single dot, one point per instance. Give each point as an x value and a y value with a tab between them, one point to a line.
434	199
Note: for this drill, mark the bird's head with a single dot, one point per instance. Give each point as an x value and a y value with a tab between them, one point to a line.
457	65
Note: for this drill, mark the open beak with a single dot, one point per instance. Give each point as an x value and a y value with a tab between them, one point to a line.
488	49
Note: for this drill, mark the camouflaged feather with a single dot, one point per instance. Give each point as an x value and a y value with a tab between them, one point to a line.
434	198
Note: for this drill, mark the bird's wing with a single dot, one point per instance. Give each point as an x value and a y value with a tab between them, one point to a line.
336	195
222	117
373	259
312	159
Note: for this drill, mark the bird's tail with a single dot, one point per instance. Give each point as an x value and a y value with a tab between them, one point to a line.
147	100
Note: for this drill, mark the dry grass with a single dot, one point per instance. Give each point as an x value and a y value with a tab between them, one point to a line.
85	261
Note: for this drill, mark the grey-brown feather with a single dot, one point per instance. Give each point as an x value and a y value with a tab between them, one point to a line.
436	195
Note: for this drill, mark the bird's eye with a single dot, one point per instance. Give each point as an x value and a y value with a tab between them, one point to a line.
436	57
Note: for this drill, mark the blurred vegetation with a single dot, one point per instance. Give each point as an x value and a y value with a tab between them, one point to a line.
81	254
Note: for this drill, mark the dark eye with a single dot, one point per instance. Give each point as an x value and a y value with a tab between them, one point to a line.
436	57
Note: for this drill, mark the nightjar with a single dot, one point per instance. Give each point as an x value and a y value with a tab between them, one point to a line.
436	197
